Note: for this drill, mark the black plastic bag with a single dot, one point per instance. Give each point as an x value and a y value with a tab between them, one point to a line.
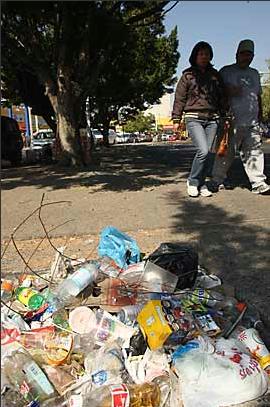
137	345
179	259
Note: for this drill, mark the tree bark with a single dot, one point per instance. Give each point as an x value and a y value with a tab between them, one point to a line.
67	109
69	137
105	131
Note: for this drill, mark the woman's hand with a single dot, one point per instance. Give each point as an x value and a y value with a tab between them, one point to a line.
176	127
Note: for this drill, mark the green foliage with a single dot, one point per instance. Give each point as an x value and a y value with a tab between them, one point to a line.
140	123
56	53
266	96
138	73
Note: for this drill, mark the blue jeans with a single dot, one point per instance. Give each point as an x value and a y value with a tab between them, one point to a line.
202	133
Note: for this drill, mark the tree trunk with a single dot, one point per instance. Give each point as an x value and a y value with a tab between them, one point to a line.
69	137
105	131
67	109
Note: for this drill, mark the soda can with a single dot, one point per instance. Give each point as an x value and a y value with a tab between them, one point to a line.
252	340
129	313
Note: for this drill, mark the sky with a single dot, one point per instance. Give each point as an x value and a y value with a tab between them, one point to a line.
222	24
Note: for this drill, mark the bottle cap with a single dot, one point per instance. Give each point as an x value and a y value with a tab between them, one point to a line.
240	306
265	361
7	285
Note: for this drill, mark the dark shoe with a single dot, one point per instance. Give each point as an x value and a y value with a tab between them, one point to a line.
215	187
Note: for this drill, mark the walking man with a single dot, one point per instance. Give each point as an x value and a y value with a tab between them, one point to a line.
243	89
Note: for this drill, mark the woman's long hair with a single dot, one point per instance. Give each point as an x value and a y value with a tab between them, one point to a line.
200	45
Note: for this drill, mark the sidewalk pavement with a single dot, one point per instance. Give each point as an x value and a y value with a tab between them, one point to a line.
140	190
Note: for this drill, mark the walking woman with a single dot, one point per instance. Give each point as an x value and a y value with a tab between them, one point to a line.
200	98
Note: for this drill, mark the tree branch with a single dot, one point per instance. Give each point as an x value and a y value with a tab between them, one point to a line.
147	13
158	17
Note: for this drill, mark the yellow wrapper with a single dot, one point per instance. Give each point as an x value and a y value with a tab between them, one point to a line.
153	324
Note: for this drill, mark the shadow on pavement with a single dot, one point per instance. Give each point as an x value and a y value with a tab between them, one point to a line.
121	168
235	248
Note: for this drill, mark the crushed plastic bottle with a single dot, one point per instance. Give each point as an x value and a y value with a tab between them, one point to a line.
27	377
135	395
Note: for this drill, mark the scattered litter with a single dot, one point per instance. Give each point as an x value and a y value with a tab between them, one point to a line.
126	330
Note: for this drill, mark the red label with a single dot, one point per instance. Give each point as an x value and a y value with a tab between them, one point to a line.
9	335
24	389
120	395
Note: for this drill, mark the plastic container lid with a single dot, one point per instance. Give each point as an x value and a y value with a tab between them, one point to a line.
82	320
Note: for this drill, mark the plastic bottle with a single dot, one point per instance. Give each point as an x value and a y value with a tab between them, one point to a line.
209	298
36	337
109	267
65	293
27	377
135	395
6	290
11	398
32	299
78	281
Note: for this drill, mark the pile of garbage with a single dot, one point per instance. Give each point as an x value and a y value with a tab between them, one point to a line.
126	330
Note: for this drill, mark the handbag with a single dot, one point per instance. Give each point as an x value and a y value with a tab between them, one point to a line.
224	143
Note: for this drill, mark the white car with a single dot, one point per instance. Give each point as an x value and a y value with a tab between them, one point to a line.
165	137
43	137
98	136
112	136
123	138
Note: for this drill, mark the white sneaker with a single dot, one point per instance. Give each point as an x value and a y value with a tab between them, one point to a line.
261	189
204	191
192	190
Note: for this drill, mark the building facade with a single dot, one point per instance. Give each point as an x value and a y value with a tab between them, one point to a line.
162	112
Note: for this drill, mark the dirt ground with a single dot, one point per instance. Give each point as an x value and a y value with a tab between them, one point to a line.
140	189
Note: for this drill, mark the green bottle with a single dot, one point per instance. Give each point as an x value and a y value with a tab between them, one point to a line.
29	297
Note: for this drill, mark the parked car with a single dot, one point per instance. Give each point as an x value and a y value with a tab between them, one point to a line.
173	137
165	137
98	136
144	137
11	140
43	140
43	137
112	136
134	138
123	138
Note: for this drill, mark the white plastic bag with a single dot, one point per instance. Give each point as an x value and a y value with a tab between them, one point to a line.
145	368
229	375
